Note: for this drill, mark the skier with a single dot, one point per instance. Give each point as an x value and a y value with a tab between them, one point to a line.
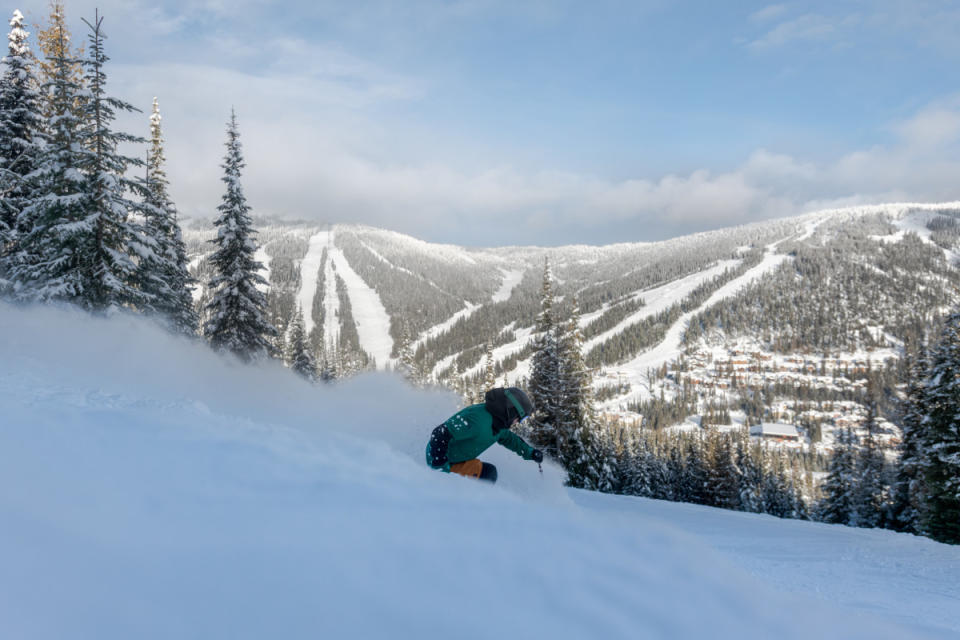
455	444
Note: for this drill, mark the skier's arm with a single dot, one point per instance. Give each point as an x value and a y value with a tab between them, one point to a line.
515	443
439	441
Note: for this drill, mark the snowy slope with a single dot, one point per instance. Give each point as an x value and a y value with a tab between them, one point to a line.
309	269
152	489
373	323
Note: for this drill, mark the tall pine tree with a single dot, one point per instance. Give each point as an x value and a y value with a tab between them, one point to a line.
237	312
165	275
115	242
544	383
838	503
941	437
21	142
908	487
586	451
298	355
52	253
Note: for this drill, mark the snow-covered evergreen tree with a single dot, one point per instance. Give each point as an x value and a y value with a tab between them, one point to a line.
298	355
52	254
941	437
21	142
908	488
54	42
722	477
544	383
869	491
583	450
327	366
749	462
115	241
238	321
165	274
489	372
837	505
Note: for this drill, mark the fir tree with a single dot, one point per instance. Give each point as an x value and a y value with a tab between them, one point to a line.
238	320
165	275
54	43
21	142
52	260
749	461
584	450
908	489
544	383
869	491
941	437
489	371
722	480
298	355
837	505
109	271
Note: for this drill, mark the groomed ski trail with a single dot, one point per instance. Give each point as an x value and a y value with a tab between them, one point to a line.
309	270
369	314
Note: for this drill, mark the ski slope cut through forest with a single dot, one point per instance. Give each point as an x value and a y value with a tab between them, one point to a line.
309	272
150	488
373	323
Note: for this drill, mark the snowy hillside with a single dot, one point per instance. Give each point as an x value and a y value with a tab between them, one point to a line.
151	489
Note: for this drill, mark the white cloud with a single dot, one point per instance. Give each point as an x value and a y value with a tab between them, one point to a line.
768	13
935	126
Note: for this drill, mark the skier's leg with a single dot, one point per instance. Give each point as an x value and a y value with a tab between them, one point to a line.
471	468
475	469
488	473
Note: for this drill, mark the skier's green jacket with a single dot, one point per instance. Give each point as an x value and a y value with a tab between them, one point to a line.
471	433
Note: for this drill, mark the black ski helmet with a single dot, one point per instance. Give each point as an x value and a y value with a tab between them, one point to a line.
506	405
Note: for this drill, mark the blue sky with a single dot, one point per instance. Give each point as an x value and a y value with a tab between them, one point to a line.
488	122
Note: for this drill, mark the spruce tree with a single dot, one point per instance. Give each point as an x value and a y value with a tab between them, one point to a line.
869	490
165	274
908	488
749	462
21	142
837	505
489	371
54	43
298	355
237	321
544	383
722	480
941	437
52	253
116	242
584	451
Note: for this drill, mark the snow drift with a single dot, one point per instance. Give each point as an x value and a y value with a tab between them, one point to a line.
150	488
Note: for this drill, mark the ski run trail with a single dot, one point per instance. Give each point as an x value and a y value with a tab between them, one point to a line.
309	276
151	488
369	314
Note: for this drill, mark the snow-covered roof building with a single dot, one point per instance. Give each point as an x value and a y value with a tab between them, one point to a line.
775	430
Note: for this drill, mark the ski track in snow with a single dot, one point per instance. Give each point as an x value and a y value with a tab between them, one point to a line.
309	270
373	323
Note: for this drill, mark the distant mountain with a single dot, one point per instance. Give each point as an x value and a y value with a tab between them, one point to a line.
700	316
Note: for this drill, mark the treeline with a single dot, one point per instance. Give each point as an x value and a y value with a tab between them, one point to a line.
77	228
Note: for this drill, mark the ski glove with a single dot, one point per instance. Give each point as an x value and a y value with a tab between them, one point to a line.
537	456
439	441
